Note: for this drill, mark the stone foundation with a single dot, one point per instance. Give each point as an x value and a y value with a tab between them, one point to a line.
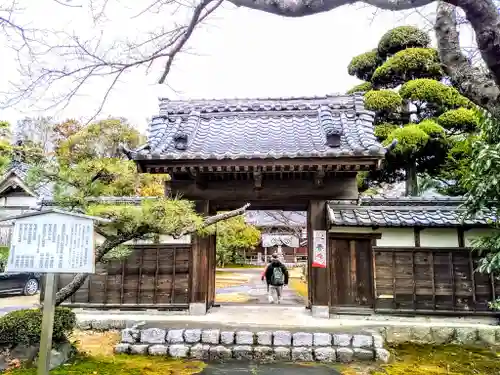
222	345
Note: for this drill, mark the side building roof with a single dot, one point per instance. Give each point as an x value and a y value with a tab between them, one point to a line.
404	212
17	175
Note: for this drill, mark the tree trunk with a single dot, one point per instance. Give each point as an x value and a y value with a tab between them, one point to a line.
482	15
109	244
79	279
302	8
411	181
472	82
485	20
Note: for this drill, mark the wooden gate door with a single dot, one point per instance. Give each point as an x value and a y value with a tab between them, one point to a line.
352	281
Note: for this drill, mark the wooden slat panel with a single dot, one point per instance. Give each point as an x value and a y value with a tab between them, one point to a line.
149	276
427	279
351	265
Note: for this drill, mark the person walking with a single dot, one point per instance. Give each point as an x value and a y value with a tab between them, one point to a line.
276	275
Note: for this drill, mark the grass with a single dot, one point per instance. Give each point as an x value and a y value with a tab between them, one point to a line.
241	266
411	359
297	283
228	279
232	297
299	286
122	365
97	358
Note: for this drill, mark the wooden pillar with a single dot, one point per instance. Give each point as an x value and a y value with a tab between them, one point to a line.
199	268
318	278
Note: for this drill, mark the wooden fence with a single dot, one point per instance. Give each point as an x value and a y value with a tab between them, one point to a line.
427	280
153	276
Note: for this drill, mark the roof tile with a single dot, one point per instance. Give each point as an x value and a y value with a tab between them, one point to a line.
262	128
404	212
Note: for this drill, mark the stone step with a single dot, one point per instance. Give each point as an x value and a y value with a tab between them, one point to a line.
217	345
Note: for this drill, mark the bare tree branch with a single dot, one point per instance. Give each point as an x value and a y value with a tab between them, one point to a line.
61	71
470	80
183	38
484	18
56	66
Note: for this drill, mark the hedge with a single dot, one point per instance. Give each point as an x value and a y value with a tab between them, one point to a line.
24	326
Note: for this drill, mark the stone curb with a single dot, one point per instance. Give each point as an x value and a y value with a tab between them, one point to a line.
217	345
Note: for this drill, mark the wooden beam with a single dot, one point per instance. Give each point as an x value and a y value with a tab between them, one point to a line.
244	191
357	236
319	278
319	179
160	165
257	178
198	262
416	234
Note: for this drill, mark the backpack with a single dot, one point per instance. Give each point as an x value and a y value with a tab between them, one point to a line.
278	278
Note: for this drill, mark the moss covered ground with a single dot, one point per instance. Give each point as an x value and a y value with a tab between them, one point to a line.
123	365
410	359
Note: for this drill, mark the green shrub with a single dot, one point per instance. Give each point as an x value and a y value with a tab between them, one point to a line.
24	326
435	92
363	66
4	254
401	38
382	131
362	87
406	65
383	100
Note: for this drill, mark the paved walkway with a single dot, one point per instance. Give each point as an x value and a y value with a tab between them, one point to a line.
267	369
10	303
266	317
255	290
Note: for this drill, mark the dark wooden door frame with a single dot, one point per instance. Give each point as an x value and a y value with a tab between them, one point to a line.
371	238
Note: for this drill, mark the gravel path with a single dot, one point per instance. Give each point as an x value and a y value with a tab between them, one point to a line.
256	290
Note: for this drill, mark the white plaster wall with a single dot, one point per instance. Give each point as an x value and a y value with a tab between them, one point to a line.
474	233
439	237
391	237
404	237
397	237
19	201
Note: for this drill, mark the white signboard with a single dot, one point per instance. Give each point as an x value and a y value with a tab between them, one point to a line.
52	243
269	240
319	249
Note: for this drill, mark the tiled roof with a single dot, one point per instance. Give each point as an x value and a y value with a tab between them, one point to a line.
20	169
260	128
403	212
276	218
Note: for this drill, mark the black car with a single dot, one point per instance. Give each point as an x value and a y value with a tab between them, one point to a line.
27	284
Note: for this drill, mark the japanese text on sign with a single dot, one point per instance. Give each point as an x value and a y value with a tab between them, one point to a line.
52	243
319	249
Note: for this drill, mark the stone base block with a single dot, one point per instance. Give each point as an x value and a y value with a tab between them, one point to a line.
320	312
197	309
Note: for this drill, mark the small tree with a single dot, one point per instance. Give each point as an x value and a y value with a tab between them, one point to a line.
23	151
234	235
429	120
88	168
483	182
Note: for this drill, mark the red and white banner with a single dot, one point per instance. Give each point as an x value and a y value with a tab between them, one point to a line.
319	249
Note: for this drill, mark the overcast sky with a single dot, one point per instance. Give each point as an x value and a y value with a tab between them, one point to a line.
241	53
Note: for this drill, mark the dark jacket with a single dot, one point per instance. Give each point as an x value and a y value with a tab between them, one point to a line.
269	271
